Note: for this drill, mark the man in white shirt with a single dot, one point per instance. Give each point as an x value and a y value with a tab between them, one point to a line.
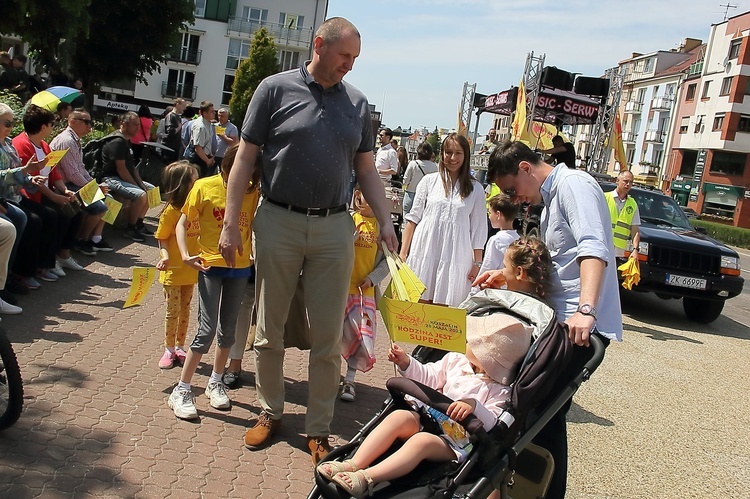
386	160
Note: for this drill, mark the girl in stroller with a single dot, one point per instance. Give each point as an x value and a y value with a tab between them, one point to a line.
478	382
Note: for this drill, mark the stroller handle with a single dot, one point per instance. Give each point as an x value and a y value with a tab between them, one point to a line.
596	359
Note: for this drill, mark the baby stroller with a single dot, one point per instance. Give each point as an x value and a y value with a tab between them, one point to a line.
503	458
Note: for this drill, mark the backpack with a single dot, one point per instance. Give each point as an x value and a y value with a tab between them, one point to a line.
92	155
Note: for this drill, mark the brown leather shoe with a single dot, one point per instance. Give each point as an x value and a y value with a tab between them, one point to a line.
260	435
319	448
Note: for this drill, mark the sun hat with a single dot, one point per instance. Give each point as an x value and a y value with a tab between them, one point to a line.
499	341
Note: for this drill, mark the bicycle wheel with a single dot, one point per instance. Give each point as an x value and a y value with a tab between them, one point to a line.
11	385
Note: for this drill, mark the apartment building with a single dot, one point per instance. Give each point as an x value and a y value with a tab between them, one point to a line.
202	65
647	108
708	166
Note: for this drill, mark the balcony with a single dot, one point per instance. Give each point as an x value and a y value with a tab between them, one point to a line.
186	56
633	107
645	168
661	103
655	136
629	137
288	37
171	89
585	137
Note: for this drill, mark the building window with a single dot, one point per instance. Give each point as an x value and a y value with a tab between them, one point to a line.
718	122
253	14
630	155
684	123
226	92
747	87
706	86
238	51
288	60
699	124
291	21
729	163
744	123
180	84
734	49
690	94
658	154
648	65
726	85
200	8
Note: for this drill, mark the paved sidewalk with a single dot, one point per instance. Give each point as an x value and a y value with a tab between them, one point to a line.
95	419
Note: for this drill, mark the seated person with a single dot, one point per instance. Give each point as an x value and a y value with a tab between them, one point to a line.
562	152
58	210
123	179
74	176
478	382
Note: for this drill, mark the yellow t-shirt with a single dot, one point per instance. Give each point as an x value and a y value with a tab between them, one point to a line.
365	252
177	274
207	201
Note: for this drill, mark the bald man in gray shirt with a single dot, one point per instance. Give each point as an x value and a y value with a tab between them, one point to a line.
313	129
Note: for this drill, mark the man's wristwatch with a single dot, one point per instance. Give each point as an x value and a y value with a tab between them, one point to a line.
586	309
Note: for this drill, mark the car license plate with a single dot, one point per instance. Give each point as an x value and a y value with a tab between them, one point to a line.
686	282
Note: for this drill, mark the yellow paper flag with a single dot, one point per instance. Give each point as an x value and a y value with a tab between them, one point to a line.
424	324
54	157
113	208
221	130
90	193
143	278
154	197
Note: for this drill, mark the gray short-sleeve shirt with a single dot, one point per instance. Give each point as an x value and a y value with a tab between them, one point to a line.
310	137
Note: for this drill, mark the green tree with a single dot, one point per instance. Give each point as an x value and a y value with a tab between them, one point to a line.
434	140
260	64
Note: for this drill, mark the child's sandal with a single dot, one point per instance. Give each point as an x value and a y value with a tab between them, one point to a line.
330	468
360	486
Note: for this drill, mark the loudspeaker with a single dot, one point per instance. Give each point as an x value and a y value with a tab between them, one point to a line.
586	85
557	78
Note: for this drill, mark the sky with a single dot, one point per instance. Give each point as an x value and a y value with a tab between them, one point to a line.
417	54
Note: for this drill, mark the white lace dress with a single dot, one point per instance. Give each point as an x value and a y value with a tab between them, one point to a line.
448	230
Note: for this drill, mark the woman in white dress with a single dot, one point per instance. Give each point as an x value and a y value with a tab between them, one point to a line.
447	228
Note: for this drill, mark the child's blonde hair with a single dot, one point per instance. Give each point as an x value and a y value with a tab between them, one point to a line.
358	199
532	255
177	180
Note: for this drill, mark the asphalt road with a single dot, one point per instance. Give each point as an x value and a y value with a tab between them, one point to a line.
666	415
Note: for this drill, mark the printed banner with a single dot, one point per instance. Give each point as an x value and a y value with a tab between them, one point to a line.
113	208
425	324
154	197
90	193
143	278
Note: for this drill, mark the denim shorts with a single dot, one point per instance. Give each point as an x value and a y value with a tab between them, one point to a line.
95	208
125	189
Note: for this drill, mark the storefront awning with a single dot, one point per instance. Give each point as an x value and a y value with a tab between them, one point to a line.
722	193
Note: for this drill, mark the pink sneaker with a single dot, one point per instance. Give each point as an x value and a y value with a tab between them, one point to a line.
167	360
179	356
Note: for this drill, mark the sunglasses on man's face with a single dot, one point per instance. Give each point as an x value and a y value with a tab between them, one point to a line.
87	122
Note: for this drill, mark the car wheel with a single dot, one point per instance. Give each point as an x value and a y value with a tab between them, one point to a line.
703	311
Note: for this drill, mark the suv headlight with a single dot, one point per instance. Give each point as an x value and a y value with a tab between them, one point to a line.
643	248
730	262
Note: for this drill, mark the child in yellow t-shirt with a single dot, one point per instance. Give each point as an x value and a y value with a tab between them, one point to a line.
370	268
220	287
178	279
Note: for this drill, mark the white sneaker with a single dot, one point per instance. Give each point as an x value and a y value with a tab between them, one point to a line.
7	308
58	271
217	396
182	402
68	263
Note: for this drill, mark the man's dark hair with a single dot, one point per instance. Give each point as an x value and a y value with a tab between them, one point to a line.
506	157
20	58
205	106
35	118
424	151
387	131
62	106
189	112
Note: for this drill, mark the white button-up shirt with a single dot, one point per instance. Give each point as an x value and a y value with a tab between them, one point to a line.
576	224
386	159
